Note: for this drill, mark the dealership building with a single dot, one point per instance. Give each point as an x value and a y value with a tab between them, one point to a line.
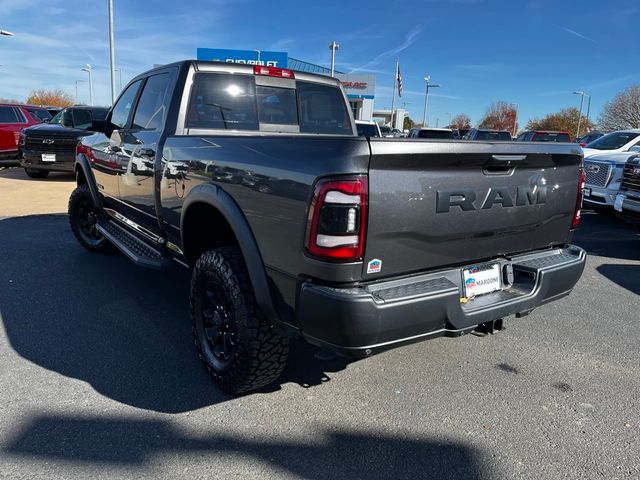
360	88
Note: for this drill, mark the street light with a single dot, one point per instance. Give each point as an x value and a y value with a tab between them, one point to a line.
427	79
258	54
112	55
119	70
515	120
582	94
77	90
88	70
6	33
333	46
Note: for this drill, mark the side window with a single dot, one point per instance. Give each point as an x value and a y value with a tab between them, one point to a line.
82	118
8	115
67	118
120	112
152	106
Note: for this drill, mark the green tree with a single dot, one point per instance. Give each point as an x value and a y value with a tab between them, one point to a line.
566	120
408	123
622	112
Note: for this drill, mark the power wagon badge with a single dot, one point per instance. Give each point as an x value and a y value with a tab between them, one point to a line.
374	266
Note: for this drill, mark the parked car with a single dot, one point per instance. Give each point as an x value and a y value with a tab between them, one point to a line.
603	177
51	146
487	134
628	199
588	138
13	118
354	244
433	133
614	142
368	129
543	136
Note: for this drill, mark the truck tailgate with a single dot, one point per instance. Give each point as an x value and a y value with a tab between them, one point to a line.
435	204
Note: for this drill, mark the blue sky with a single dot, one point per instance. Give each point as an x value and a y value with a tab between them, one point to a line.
530	52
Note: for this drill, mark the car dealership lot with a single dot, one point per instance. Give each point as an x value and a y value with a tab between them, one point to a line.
98	377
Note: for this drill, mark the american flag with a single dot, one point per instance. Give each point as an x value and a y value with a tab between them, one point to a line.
399	78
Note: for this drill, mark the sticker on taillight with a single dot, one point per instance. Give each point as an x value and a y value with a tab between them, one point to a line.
374	266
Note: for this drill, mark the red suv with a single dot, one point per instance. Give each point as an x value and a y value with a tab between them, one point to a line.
14	118
544	136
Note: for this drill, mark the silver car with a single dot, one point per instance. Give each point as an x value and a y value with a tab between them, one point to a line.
604	174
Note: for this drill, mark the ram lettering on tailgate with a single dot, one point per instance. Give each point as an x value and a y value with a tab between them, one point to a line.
466	198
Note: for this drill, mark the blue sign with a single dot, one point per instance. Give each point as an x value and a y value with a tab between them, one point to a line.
248	57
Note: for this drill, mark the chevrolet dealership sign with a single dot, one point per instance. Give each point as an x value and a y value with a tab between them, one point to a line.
247	57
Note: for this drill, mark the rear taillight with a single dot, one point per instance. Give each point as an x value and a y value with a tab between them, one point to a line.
273	72
337	220
576	215
84	150
582	145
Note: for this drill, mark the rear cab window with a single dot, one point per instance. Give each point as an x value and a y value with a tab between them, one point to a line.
225	101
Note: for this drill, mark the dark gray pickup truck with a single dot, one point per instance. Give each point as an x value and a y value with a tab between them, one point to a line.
255	178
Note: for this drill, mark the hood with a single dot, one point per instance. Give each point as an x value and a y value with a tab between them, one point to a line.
607	155
48	130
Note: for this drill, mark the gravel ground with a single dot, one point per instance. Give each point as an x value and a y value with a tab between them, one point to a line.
98	378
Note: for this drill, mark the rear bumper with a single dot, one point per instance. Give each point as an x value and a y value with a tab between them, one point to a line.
370	318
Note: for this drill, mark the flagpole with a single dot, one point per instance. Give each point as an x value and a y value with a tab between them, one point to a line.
395	82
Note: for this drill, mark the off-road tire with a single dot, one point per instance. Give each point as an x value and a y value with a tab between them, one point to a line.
81	207
259	349
33	173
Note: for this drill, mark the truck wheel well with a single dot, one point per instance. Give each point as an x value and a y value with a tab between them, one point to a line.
205	228
80	178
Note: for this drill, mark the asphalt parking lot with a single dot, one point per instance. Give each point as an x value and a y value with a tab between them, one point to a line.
99	379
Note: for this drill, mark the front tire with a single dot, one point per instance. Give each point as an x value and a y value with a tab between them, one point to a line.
33	173
240	347
83	217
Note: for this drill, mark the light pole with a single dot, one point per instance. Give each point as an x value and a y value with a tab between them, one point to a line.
449	115
77	90
333	47
588	106
6	33
88	70
427	79
258	54
112	55
515	119
119	70
582	94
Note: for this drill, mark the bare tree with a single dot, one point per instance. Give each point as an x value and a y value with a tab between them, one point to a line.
461	121
54	98
566	120
623	111
500	116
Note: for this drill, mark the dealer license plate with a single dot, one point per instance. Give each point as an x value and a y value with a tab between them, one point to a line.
587	192
481	279
48	157
618	203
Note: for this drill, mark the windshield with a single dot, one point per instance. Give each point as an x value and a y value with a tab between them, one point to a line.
491	135
39	114
58	118
367	130
551	137
613	141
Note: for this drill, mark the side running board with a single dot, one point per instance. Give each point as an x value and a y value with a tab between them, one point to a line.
138	251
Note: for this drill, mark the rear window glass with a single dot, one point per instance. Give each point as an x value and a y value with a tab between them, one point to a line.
551	137
480	135
223	101
367	130
234	102
277	105
437	134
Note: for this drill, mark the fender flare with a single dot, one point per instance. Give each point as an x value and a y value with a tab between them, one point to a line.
216	197
82	161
